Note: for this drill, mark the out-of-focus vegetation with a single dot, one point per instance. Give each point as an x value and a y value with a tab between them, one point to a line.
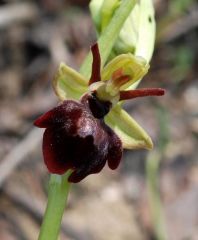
152	195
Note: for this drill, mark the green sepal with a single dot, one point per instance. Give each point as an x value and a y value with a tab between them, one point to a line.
129	131
69	84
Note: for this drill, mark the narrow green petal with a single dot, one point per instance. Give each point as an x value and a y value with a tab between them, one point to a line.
69	84
128	130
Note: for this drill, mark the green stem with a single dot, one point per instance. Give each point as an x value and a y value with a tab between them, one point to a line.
152	169
57	198
109	36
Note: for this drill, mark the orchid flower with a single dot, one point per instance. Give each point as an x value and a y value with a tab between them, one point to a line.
89	127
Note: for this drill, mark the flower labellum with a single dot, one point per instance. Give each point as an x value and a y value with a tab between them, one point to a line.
77	138
76	135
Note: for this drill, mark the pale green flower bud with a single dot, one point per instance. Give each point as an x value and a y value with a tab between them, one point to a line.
138	33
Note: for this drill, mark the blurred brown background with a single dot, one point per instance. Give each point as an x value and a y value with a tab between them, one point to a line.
120	205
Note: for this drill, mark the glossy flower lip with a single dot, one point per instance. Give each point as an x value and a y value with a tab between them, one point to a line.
82	135
75	139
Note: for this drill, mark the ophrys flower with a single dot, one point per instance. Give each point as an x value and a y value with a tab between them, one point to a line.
90	128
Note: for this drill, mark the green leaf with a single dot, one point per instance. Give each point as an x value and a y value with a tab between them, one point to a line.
128	130
69	84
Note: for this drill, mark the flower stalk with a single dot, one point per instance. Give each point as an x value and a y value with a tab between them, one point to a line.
57	199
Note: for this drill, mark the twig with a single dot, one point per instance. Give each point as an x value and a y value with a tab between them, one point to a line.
19	152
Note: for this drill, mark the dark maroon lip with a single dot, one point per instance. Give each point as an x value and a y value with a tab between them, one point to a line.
75	139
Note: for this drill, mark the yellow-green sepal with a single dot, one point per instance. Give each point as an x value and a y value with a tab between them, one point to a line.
133	66
69	84
128	130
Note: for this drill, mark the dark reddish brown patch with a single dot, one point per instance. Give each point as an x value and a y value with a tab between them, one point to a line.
75	138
